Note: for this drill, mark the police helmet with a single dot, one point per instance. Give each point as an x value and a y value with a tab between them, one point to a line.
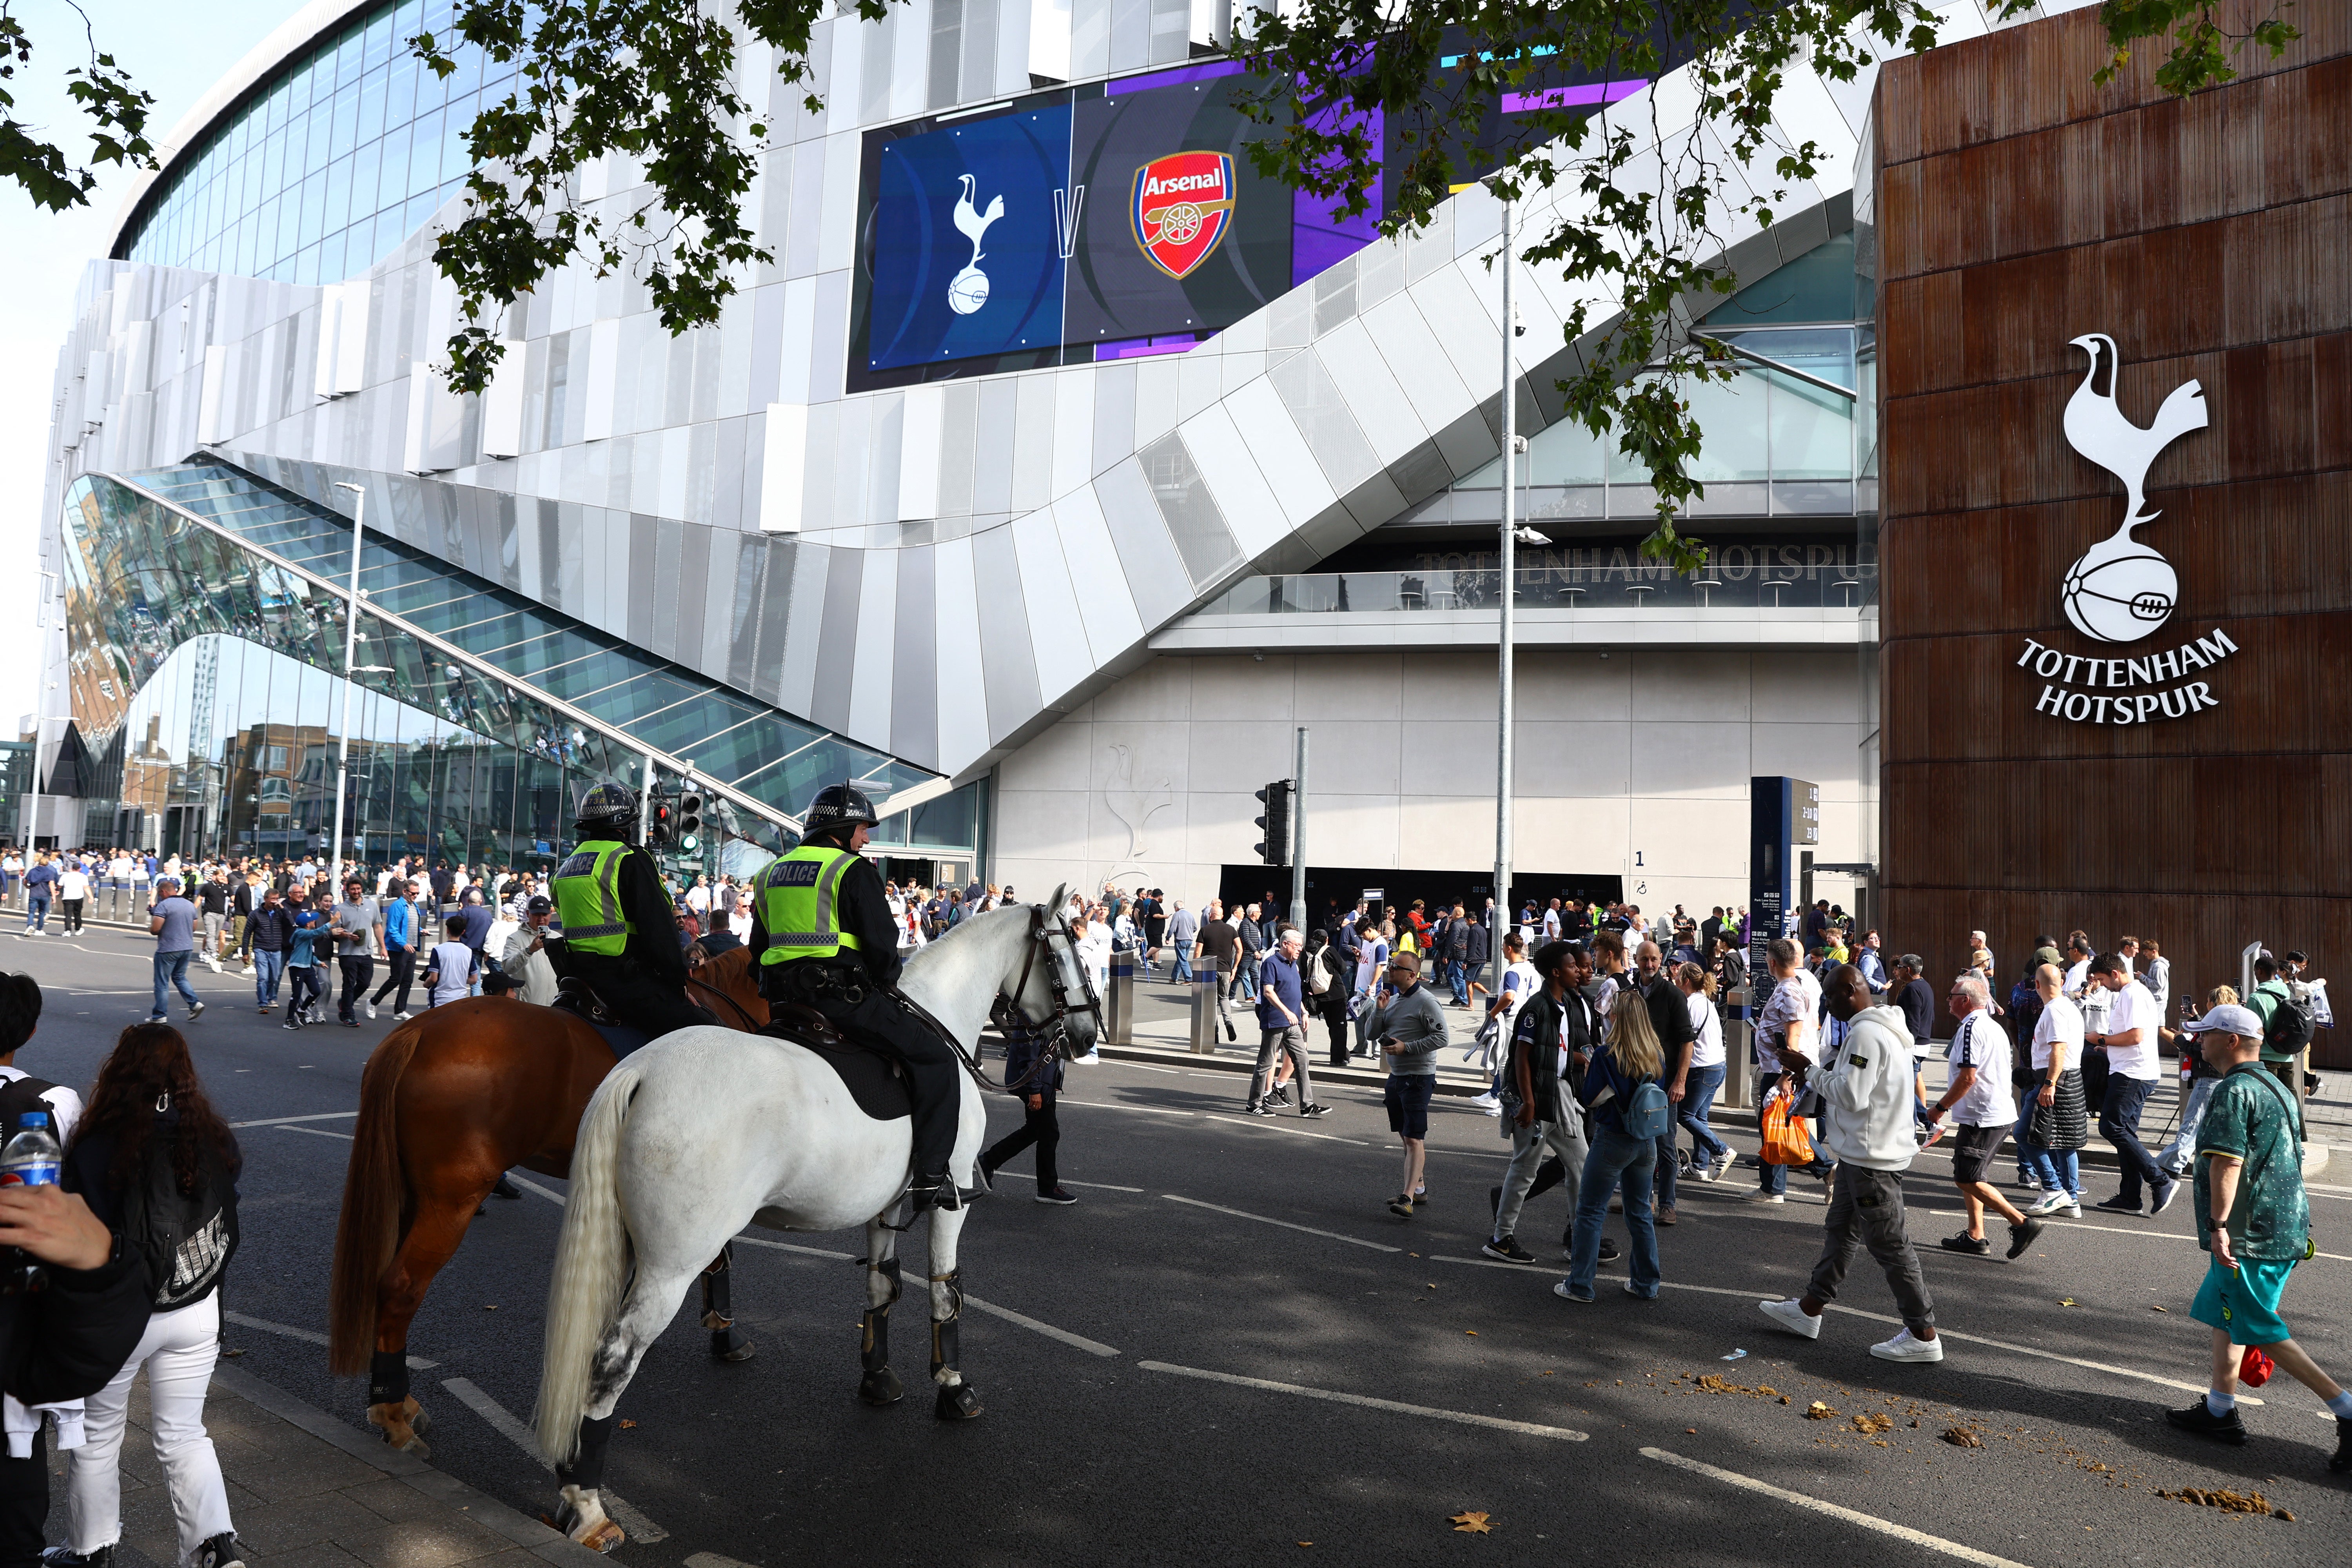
607	804
838	805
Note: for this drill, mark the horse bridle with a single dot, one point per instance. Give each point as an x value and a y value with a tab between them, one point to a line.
1005	1012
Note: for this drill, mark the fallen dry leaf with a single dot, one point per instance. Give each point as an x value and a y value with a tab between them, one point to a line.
2228	1502
627	1423
492	1307
1816	1411
1870	1421
1692	1430
1472	1333
2066	1300
1471	1525
2153	1308
1961	1437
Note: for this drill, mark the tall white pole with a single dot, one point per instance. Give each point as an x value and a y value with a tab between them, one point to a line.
351	646
1504	911
1298	841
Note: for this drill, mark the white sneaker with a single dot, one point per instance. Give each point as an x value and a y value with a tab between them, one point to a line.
1486	1102
1759	1196
1791	1315
1722	1164
2050	1203
1903	1347
400	1018
370	1007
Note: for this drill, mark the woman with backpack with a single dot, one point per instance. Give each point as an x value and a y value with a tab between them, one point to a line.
1630	1113
158	1165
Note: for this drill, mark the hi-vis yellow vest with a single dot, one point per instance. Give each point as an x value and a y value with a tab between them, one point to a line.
797	904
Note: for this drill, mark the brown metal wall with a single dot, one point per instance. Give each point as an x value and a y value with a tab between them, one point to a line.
2019	207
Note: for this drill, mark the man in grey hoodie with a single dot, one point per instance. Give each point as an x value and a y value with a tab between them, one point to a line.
1411	1027
1866	1119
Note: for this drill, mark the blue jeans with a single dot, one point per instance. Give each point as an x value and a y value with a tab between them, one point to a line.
1615	1160
1183	964
172	972
1457	975
269	968
2120	1125
37	911
1698	1099
2181	1152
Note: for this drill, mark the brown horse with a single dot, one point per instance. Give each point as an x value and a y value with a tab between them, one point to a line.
448	1101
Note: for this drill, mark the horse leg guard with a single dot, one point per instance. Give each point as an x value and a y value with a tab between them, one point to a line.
727	1340
879	1385
956	1400
391	1409
580	1514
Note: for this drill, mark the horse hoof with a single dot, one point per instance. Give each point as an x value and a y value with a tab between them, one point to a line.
957	1403
729	1345
881	1387
400	1424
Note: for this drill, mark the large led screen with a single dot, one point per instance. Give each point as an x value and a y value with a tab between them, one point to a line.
964	240
1178	232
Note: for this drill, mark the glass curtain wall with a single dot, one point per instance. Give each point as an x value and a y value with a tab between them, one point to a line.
331	162
230	748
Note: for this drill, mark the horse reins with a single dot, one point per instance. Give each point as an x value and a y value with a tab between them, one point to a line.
1055	1024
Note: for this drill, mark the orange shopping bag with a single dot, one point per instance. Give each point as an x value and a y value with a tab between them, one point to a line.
1786	1142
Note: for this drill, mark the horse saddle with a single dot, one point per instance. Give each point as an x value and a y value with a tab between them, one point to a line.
875	1083
577	997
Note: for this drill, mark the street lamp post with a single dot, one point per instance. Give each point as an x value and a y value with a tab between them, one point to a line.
351	653
1510	581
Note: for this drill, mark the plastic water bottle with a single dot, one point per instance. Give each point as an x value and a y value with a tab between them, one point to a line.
31	1157
30	1160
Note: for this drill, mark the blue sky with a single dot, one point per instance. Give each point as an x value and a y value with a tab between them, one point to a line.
175	52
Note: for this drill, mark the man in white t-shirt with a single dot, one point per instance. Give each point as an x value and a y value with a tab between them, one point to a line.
1983	1107
2058	1061
1371	962
2128	1033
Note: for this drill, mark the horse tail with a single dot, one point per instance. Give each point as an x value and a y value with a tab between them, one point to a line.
592	1266
367	1237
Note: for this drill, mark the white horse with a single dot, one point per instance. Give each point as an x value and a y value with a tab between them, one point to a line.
706	1131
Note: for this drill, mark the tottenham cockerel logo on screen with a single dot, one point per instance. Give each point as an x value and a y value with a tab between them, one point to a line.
1183	205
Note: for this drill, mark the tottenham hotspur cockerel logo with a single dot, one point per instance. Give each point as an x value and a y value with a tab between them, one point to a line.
2121	590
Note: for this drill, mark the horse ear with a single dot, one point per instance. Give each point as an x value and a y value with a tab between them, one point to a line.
1061	896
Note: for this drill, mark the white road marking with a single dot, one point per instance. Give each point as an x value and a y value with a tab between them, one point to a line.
288	1120
639	1527
1146	1067
320	1132
1310	1230
788	1247
1851	1516
1271	1125
527	1185
1526	1428
1048	1330
415	1363
1115	1105
1095	1187
1941	1332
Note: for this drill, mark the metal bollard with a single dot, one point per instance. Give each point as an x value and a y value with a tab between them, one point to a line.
1739	1037
1204	1007
1119	1007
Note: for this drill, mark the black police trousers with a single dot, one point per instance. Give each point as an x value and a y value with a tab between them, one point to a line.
880	1021
636	994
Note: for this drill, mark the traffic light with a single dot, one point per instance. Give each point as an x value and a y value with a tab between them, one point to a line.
660	815
1274	849
689	823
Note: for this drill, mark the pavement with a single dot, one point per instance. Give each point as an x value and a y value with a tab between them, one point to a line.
1229	1347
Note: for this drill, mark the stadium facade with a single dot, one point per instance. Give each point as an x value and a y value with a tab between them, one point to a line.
1057	469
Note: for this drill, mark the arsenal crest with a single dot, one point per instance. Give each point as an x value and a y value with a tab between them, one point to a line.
1183	203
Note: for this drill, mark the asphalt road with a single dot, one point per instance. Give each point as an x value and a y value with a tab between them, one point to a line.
1574	1427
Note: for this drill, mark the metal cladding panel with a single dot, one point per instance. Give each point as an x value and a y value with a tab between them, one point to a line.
1008	656
914	667
837	640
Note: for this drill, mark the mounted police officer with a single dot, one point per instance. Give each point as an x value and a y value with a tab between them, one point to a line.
822	936
620	931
